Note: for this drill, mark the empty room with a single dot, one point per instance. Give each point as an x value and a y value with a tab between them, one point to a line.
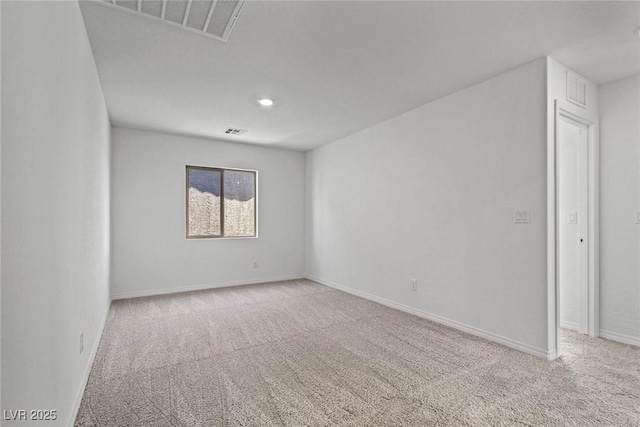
319	213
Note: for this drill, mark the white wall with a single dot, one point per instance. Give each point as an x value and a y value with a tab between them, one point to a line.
55	207
619	207
431	195
0	204
150	251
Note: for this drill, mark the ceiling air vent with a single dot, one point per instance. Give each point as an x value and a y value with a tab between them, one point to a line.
214	18
233	131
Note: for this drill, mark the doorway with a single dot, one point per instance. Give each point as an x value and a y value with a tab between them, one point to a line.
572	225
576	225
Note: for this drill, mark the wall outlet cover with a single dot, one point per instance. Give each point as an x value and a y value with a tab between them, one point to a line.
522	216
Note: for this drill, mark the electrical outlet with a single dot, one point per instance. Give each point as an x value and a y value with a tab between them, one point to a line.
255	263
414	285
81	342
638	218
522	216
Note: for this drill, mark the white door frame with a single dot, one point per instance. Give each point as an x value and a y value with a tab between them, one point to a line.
593	241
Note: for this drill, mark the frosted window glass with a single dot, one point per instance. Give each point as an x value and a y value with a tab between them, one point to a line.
239	203
203	202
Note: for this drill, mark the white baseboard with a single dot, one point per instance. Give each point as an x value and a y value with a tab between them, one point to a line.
87	370
625	339
526	348
202	287
564	324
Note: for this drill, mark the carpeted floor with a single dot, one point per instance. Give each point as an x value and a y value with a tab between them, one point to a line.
297	353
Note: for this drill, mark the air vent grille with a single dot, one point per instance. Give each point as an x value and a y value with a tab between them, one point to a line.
234	131
214	18
576	90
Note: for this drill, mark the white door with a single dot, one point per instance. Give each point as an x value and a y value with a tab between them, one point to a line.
573	225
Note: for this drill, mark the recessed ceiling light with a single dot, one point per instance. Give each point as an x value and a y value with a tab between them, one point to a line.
265	102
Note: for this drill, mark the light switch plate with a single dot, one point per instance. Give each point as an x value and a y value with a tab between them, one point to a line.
573	218
522	216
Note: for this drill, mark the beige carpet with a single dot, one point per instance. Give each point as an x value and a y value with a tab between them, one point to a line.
297	353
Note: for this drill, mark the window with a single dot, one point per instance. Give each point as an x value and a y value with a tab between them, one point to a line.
220	202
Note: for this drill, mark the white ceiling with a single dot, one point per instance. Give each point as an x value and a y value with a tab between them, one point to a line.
334	68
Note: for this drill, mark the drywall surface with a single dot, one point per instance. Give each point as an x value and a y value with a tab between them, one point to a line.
0	204
619	210
55	208
150	251
430	195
